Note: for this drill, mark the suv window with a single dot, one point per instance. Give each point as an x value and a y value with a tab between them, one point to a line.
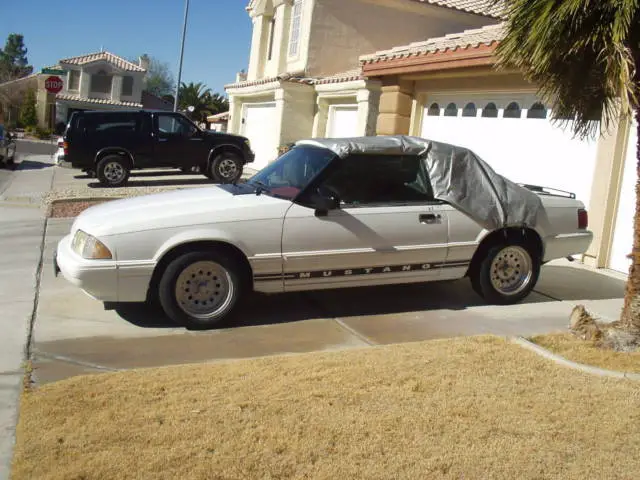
110	123
174	125
370	180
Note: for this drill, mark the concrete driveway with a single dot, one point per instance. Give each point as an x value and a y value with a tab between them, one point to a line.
74	334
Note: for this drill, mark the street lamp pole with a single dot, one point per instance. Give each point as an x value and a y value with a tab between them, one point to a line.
184	32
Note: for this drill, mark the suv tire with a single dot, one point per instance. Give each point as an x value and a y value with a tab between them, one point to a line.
225	168
200	289
113	171
507	274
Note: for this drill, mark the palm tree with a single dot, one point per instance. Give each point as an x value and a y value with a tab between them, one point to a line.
194	94
585	57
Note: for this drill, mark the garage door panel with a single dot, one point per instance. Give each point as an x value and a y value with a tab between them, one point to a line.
525	150
343	121
259	127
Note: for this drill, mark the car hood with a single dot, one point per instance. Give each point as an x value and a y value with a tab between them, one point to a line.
193	206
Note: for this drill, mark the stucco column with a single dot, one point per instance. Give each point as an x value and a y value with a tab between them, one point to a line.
235	114
368	109
320	118
282	14
605	191
295	108
396	99
116	88
258	48
85	84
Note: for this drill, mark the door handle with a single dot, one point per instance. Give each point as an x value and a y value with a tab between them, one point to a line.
429	218
163	139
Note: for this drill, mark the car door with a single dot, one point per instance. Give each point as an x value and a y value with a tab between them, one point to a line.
178	142
388	228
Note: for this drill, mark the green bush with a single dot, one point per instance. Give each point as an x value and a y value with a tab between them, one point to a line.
28	115
42	133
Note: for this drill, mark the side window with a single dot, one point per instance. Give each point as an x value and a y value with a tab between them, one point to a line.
121	123
174	125
379	180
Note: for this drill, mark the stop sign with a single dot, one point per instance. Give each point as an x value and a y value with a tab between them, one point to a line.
53	84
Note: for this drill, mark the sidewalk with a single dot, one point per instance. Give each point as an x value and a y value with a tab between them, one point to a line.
22	225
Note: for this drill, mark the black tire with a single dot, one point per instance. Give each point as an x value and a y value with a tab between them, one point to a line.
513	280
113	171
226	168
178	272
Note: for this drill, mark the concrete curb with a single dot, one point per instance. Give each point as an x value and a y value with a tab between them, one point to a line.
600	372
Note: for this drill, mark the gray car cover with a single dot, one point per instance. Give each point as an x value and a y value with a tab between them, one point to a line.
457	176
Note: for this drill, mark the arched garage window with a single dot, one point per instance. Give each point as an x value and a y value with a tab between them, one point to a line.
469	110
512	110
434	110
537	110
451	110
490	110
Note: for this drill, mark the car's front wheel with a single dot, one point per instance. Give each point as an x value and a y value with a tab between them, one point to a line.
226	168
507	274
200	289
113	171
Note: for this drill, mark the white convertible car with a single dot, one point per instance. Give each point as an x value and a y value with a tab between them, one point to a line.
329	213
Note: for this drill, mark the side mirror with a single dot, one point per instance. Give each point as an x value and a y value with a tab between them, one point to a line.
324	204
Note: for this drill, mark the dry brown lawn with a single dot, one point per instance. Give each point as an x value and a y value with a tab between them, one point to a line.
576	350
472	408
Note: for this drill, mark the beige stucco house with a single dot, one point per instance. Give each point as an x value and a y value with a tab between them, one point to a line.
448	89
304	77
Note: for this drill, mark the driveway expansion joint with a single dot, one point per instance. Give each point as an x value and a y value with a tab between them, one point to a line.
81	363
354	332
601	372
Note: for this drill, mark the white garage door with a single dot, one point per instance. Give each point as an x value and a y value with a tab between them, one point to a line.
343	121
623	233
513	134
259	123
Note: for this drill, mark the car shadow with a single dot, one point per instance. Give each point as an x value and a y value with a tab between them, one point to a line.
32	165
557	283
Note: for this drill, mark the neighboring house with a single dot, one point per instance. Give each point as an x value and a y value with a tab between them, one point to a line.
448	89
218	122
304	77
96	81
99	81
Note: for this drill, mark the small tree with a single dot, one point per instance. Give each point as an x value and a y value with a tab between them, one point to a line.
13	58
28	115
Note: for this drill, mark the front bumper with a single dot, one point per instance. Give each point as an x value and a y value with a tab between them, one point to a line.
98	278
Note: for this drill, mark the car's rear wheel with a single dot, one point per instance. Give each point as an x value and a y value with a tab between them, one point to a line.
200	289
226	168
113	171
507	274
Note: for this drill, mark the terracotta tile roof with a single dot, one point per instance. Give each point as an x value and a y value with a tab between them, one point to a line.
486	8
101	101
296	77
467	39
119	62
348	76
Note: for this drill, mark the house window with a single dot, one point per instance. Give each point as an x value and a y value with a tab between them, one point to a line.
296	19
451	110
469	110
490	110
127	86
434	110
537	110
101	82
74	80
272	33
512	110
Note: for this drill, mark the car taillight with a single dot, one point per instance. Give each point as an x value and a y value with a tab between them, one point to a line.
65	146
583	219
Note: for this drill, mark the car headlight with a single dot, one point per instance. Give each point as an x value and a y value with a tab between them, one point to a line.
88	246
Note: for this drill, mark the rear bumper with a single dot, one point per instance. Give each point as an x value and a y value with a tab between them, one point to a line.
561	246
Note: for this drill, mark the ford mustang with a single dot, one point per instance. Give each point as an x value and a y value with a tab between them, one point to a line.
329	213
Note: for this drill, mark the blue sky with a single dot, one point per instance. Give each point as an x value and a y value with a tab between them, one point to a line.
216	47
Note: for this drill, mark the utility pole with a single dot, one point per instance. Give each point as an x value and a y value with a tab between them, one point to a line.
184	32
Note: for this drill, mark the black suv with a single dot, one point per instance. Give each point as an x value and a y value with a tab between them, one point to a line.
111	144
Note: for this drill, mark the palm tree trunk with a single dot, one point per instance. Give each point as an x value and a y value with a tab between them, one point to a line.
630	318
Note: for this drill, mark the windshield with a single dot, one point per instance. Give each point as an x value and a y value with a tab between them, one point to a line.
293	171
